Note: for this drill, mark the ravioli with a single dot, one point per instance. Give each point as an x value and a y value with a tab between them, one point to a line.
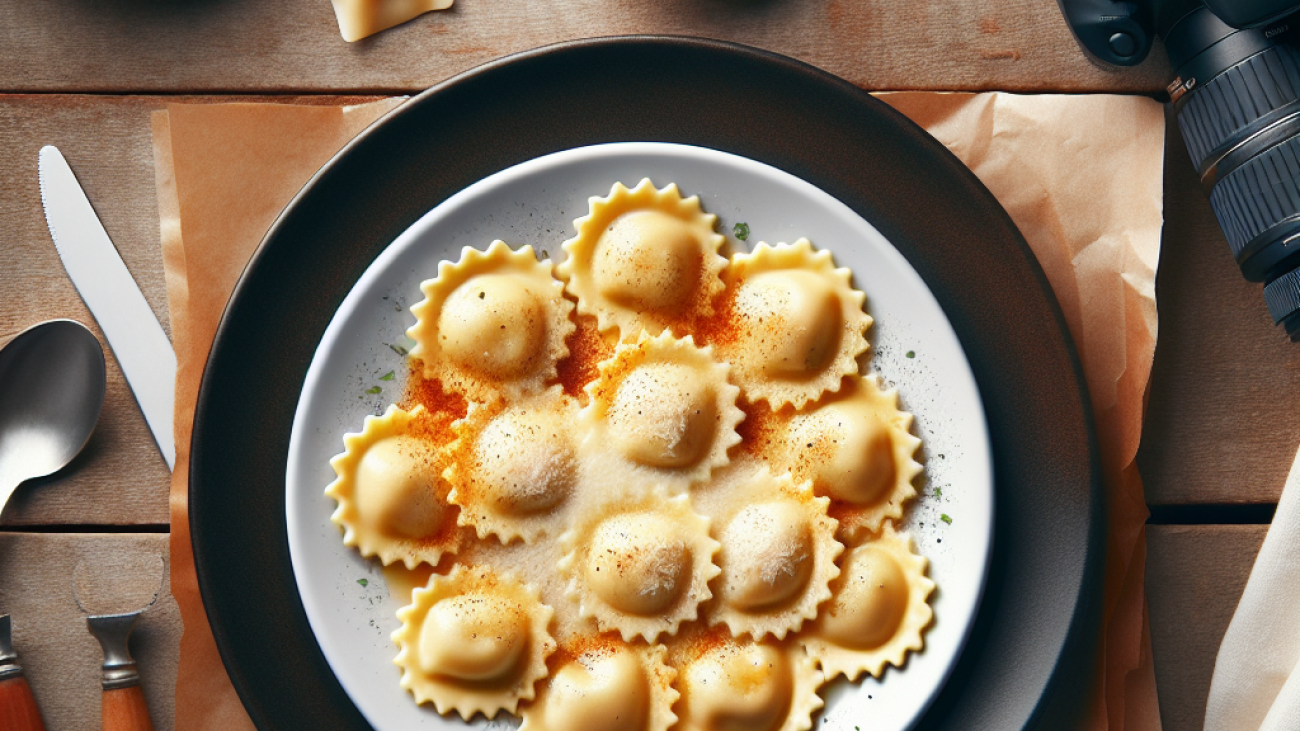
392	500
730	684
514	466
640	567
473	641
857	449
693	468
644	259
603	684
777	557
878	610
661	412
494	322
794	324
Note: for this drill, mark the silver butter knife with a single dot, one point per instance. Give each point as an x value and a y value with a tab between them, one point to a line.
138	341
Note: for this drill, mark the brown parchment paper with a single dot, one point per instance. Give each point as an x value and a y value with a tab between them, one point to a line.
1082	178
1080	175
223	173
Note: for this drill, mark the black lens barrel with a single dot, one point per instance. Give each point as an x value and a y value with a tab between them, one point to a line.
1238	103
1237	95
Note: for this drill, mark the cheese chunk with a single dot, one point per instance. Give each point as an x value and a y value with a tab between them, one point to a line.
361	18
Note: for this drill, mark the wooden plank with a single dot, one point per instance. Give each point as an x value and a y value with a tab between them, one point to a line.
120	478
1195	576
59	656
1226	383
1224	409
252	45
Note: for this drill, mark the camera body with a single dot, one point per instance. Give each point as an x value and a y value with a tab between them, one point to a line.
1236	91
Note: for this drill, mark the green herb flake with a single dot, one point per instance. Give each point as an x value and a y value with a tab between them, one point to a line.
741	230
387	376
944	517
911	354
399	349
363	582
938	492
373	390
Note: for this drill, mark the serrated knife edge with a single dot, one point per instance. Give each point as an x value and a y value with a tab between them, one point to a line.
113	297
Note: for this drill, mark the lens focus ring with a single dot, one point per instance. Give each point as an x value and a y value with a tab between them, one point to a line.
1282	295
1259	195
1240	97
1237	97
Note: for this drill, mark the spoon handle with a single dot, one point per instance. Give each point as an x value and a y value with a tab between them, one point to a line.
18	709
125	710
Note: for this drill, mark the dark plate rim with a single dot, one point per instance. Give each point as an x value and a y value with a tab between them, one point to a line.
1074	464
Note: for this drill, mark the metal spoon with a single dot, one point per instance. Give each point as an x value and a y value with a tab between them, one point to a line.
51	391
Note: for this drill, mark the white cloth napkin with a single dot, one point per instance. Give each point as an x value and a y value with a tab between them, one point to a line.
1256	683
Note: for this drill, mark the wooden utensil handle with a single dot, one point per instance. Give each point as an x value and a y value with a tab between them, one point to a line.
18	709
125	710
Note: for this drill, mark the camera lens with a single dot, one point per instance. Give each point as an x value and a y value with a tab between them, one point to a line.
1237	96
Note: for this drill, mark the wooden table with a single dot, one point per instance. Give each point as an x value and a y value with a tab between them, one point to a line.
1222	420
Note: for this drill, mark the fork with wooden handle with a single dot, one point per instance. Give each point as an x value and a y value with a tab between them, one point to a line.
124	708
18	709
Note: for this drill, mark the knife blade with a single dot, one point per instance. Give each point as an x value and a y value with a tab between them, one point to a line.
137	340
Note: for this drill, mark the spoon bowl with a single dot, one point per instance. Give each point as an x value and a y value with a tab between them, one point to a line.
52	381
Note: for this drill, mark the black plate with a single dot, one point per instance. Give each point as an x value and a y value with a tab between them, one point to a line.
1039	620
